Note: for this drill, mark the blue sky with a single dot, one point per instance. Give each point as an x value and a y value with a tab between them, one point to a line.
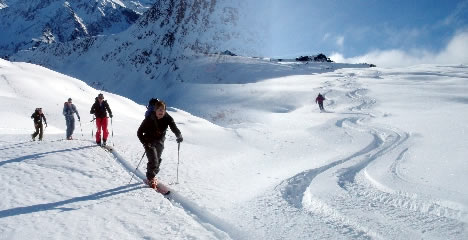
354	28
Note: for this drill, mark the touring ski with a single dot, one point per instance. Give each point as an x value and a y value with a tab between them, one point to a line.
160	188
107	148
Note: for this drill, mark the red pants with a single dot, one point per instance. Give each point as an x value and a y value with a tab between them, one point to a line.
101	123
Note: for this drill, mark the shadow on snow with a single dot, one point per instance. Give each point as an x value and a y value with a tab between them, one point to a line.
59	205
39	155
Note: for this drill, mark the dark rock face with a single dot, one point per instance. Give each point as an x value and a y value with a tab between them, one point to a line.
319	58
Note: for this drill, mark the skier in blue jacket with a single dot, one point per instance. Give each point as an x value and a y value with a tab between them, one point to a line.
68	110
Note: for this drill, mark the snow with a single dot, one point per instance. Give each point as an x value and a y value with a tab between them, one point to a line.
386	160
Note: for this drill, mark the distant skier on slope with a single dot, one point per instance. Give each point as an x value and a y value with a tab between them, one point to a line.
68	109
152	134
37	116
319	100
99	109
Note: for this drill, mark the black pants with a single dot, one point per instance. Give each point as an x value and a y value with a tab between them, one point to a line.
154	158
39	130
320	105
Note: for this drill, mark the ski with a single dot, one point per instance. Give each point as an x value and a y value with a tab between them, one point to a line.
107	148
160	188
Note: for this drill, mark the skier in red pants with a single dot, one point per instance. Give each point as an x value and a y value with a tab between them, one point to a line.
99	109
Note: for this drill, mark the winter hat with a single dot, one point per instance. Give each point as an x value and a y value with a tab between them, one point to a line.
100	95
69	99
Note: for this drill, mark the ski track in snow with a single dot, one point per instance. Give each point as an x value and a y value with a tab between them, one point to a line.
210	222
363	194
381	210
217	226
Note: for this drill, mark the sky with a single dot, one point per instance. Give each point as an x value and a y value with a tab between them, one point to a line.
353	29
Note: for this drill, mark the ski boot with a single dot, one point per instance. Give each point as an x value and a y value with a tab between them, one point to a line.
153	183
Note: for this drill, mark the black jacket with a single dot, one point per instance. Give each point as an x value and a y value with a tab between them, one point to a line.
99	110
153	129
38	118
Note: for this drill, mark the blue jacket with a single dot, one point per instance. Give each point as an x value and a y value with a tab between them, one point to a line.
69	110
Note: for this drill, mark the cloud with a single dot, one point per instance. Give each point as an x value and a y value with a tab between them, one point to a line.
457	15
456	52
340	41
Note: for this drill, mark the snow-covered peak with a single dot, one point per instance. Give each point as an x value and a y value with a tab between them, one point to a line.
153	49
201	26
23	22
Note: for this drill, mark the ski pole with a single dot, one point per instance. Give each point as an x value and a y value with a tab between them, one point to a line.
112	129
81	129
133	173
92	129
178	151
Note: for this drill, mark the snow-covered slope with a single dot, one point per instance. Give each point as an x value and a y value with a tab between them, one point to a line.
27	24
82	183
385	161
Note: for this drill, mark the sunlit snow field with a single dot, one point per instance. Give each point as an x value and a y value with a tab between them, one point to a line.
386	160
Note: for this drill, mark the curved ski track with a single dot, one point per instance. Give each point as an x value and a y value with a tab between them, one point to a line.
220	228
359	203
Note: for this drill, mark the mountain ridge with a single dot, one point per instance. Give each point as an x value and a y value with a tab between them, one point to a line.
154	47
28	24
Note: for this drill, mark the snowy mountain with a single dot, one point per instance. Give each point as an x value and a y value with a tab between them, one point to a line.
167	37
3	4
386	160
28	24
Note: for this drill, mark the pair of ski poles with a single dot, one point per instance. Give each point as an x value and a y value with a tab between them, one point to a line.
178	158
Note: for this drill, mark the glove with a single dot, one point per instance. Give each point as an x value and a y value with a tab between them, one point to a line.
180	139
46	125
110	115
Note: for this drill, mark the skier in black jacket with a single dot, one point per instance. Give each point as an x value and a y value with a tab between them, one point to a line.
38	116
320	100
99	110
152	134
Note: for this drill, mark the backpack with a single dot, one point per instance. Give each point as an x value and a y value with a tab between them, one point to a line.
150	106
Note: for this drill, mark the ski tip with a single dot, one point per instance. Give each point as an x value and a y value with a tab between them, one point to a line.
108	148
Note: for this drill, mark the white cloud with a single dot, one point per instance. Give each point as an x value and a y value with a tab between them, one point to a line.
458	14
456	52
340	41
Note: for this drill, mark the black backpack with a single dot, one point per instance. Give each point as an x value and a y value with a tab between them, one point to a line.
150	106
151	102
